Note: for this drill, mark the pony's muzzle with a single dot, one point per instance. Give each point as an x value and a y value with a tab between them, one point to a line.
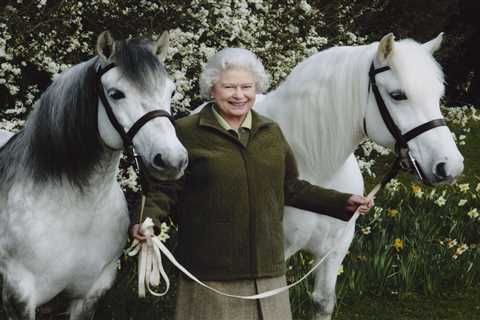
170	166
444	172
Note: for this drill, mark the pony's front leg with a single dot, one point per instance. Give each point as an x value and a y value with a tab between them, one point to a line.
340	239
324	292
84	309
17	302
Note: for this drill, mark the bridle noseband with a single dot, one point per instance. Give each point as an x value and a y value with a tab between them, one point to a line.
405	159
128	136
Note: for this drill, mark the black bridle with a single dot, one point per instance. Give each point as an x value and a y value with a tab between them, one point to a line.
127	136
405	159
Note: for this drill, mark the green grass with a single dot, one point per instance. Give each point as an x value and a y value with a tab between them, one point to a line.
449	306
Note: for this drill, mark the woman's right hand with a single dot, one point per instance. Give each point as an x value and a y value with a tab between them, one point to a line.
135	233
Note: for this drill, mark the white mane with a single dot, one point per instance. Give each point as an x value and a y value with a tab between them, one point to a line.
314	98
327	94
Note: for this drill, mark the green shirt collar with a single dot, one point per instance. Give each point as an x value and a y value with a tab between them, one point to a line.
206	118
247	123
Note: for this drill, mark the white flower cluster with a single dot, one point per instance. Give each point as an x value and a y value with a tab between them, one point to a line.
281	34
128	179
367	154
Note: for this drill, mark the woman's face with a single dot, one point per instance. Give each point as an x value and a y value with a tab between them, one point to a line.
234	94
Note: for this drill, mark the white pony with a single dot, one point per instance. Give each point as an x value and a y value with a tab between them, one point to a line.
63	216
4	136
327	106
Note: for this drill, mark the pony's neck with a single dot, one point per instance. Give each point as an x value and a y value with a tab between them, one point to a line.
99	184
104	175
320	108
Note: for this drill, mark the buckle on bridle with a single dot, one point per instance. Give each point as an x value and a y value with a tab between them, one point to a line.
408	163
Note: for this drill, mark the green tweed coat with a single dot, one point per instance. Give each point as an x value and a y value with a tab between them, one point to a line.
229	205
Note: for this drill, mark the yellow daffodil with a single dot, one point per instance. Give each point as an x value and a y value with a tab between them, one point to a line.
452	243
398	244
392	212
417	190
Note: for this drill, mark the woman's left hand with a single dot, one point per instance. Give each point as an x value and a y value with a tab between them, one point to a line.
363	204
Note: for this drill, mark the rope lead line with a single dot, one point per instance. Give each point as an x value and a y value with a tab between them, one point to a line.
150	267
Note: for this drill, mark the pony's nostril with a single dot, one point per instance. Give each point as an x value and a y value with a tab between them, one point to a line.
183	164
441	170
158	161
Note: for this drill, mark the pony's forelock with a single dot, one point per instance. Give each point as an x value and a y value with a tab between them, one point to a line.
419	73
139	64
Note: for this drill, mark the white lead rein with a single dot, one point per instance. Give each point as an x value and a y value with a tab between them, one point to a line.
150	266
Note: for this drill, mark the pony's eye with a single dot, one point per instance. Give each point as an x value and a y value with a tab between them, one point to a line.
116	94
398	95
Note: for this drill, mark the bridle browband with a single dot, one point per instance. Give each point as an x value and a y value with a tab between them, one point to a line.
404	159
127	137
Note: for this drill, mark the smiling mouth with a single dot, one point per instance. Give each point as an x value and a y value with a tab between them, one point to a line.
238	104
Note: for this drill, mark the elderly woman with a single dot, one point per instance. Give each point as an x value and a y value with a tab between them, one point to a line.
229	205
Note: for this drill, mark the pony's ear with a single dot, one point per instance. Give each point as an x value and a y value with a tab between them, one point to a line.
434	44
385	48
160	47
105	45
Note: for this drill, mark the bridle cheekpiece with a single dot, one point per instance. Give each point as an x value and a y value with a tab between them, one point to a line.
405	159
127	136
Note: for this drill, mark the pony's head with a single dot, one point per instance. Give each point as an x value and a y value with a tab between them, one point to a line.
410	82
68	132
137	94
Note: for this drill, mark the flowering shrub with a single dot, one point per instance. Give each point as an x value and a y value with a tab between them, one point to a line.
55	36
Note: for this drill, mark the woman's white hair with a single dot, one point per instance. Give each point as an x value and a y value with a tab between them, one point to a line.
232	58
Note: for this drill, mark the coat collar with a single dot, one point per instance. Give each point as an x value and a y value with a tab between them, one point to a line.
207	119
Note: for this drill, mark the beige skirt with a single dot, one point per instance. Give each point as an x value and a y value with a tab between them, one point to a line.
195	302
